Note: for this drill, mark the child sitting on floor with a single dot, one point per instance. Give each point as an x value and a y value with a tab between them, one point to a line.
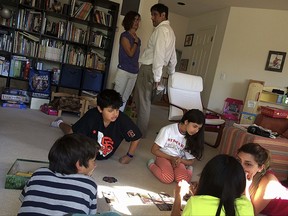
66	186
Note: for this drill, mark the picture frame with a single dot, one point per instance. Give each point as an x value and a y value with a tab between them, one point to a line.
183	64
275	61
188	40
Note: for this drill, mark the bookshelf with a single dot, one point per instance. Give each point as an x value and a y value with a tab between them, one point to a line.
72	39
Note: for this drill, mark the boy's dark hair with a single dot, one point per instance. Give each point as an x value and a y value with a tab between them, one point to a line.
161	8
109	98
128	20
69	149
223	177
195	143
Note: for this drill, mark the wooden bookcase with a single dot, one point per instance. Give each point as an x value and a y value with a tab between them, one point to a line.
71	38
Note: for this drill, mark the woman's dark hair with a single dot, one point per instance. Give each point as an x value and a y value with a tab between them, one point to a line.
161	8
128	20
109	98
262	157
69	149
195	143
223	177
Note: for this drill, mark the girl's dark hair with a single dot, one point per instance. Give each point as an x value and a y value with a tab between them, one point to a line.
128	20
223	177
109	98
262	157
69	149
161	8
195	143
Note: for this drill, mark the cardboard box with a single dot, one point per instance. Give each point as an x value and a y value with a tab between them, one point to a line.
37	102
21	171
247	118
274	112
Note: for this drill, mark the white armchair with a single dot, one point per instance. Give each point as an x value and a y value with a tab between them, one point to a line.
184	93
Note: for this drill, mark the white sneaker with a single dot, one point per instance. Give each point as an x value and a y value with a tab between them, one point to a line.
56	122
149	162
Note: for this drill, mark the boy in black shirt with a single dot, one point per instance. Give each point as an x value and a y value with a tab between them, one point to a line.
107	125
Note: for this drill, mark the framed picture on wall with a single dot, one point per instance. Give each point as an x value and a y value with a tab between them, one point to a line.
188	40
183	64
275	61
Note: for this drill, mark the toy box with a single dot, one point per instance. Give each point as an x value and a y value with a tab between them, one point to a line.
247	118
232	109
21	171
274	112
48	110
37	102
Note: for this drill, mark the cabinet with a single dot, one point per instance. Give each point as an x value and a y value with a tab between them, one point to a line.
259	95
72	39
251	107
269	98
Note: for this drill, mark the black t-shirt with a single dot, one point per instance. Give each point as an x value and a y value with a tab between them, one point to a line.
92	125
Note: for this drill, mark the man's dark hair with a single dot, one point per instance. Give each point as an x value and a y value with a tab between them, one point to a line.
109	98
128	20
161	8
69	149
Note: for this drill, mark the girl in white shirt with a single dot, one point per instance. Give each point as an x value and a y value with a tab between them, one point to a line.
176	147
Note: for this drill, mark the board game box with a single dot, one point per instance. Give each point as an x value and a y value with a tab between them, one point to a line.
21	171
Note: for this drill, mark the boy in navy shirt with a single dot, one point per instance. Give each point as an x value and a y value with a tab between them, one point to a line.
107	125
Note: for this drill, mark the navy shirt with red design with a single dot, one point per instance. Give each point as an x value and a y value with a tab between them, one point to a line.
92	125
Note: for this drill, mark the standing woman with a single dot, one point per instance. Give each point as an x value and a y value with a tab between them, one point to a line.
129	50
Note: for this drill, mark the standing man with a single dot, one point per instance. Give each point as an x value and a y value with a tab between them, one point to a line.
160	52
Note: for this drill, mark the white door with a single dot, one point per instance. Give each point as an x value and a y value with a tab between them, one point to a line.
201	51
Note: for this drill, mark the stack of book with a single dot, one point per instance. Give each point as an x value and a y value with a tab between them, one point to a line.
15	98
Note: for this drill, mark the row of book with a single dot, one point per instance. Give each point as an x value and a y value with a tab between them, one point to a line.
19	67
102	17
95	60
6	39
54	28
4	66
25	44
98	39
29	20
76	34
83	11
74	55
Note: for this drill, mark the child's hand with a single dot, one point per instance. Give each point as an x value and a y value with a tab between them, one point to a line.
175	161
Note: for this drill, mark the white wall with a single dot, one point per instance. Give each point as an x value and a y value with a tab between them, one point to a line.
249	36
178	23
243	39
216	18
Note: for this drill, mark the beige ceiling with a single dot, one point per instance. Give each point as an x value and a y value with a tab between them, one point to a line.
196	7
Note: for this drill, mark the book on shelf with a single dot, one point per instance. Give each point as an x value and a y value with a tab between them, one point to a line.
18	64
103	17
83	11
4	66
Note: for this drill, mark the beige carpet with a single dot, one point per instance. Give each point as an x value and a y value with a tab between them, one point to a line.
26	134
